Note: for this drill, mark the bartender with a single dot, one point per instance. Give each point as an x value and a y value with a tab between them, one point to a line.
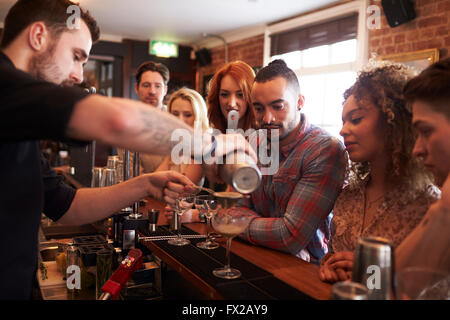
40	59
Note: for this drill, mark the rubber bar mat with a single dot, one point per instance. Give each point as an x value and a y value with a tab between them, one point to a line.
253	284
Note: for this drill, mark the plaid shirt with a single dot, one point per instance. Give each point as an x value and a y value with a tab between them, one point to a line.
292	208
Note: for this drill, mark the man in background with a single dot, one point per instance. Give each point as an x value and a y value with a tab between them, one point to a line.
151	86
151	83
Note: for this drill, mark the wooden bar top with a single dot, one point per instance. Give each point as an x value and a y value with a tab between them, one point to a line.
297	273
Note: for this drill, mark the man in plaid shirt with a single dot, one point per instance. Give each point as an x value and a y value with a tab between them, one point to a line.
292	208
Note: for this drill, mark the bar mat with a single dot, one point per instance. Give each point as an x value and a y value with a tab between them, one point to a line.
202	262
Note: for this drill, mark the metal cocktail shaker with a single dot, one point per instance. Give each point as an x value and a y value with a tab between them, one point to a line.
241	172
374	267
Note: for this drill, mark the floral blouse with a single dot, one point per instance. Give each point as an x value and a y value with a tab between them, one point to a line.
397	215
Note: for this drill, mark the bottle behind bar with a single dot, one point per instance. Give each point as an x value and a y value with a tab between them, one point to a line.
73	269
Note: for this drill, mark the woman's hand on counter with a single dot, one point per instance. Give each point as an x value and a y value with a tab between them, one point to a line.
338	267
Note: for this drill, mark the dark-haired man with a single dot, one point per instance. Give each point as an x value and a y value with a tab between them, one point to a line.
151	83
429	244
40	55
291	208
152	79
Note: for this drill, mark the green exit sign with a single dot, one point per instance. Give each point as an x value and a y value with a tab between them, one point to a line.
164	49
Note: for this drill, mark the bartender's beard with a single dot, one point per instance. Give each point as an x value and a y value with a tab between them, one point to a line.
43	67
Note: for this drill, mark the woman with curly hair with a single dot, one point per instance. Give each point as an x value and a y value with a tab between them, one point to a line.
388	190
229	89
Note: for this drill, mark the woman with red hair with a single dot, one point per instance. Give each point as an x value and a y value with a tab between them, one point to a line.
229	90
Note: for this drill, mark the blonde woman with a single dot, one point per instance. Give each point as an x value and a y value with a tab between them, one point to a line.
188	105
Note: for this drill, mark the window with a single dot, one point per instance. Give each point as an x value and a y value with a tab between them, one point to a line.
325	49
324	73
325	65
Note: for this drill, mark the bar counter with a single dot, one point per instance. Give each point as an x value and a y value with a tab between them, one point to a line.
298	274
267	273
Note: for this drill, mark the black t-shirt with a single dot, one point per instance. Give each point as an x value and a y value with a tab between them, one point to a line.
29	110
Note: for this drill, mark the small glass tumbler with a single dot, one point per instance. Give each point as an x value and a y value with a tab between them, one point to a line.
97	173
73	272
348	290
421	283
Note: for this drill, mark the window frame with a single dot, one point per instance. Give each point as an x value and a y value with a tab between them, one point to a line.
329	14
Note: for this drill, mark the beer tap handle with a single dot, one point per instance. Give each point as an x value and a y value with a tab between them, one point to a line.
119	279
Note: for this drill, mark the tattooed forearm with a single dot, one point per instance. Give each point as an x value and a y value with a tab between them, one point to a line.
124	123
158	131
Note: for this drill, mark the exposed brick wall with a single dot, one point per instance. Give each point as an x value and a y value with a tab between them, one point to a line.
248	50
430	29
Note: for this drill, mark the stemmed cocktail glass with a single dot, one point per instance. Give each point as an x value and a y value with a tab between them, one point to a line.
207	205
182	204
229	226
